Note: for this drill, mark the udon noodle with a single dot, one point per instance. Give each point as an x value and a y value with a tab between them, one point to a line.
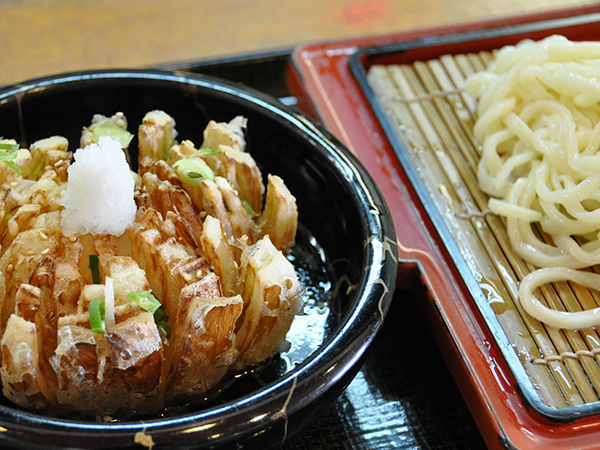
539	127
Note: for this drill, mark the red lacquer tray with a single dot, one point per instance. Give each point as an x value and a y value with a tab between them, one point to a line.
326	78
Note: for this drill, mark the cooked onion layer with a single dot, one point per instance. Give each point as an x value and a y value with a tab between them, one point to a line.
104	323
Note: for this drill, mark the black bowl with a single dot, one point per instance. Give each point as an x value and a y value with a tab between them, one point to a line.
346	246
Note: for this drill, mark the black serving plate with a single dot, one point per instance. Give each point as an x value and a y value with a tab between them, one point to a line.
346	241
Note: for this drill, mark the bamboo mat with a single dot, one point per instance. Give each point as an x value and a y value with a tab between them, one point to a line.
434	118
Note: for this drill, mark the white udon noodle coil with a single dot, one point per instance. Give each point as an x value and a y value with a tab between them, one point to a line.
539	127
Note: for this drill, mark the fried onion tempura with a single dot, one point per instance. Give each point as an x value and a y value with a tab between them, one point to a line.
208	243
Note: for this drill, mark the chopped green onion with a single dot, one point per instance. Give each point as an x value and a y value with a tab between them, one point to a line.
247	206
166	328
161	317
146	300
168	152
37	168
8	146
193	171
150	303
160	314
8	153
206	152
96	310
7	158
109	302
95	268
107	127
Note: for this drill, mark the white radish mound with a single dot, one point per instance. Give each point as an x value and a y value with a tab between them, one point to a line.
99	195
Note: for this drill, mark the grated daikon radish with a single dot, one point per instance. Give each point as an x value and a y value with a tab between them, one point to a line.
99	195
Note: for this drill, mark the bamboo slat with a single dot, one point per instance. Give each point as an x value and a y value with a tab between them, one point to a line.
434	117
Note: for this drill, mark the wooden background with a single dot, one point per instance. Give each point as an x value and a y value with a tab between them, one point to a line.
42	37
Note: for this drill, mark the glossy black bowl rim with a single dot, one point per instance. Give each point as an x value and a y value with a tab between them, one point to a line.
303	385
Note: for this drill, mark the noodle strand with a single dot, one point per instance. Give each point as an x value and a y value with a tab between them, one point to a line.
539	128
